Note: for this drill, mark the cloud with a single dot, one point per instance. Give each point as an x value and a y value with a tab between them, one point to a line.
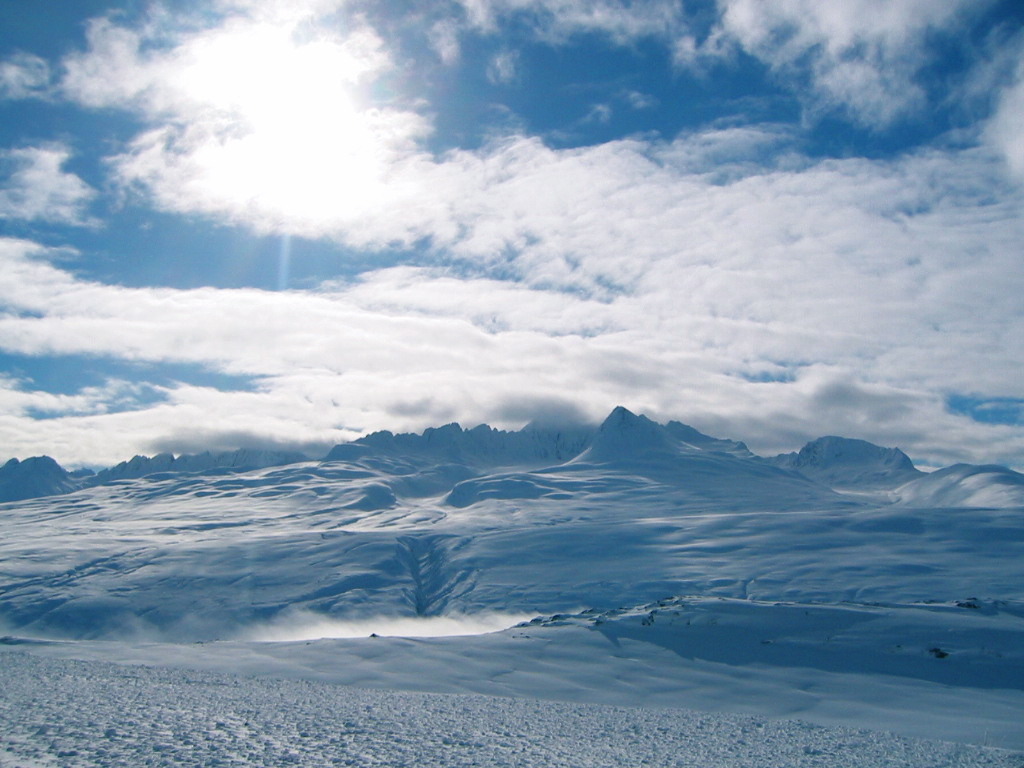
34	187
444	40
256	120
867	291
1004	129
599	113
17	397
503	68
23	75
862	56
638	100
722	277
556	20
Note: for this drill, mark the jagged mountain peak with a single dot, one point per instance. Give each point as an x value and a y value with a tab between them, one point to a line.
243	458
482	445
33	477
624	435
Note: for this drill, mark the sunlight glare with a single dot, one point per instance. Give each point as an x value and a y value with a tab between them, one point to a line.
288	131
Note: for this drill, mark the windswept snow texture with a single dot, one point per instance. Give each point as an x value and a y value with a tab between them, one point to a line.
66	713
669	568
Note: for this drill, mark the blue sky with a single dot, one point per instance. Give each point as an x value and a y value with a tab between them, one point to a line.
238	223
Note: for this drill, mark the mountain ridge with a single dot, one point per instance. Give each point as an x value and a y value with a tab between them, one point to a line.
624	437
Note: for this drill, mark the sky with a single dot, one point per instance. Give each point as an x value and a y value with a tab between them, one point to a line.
287	223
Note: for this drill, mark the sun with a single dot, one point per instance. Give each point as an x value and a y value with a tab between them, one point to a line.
280	123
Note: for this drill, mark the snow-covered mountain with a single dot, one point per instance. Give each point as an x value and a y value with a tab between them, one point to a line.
455	454
841	462
242	459
668	567
36	476
42	476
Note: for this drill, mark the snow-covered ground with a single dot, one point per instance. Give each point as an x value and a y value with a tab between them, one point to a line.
70	713
722	603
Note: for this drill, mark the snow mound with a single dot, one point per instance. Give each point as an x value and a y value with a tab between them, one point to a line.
965	485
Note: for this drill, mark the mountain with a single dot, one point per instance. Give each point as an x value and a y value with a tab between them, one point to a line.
841	462
34	477
439	458
631	563
690	436
626	437
481	446
242	459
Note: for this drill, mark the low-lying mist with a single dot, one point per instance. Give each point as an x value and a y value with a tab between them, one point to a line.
305	625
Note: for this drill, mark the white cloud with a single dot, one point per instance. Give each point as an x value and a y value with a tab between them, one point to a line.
504	67
638	100
264	121
444	39
1004	129
555	20
34	187
23	75
872	289
861	55
599	113
666	276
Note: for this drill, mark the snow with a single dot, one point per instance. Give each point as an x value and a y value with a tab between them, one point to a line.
965	485
703	589
844	463
68	713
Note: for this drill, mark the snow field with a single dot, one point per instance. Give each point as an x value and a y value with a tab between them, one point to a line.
75	714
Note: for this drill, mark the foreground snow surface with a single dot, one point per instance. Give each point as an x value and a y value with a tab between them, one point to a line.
60	712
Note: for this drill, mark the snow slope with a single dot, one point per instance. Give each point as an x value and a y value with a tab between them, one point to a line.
965	485
672	569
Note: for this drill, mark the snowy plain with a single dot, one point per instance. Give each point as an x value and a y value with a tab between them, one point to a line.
640	594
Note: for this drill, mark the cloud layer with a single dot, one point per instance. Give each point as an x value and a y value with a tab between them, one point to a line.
726	275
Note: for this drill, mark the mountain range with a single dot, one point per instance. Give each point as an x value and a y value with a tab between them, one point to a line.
838	463
629	563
